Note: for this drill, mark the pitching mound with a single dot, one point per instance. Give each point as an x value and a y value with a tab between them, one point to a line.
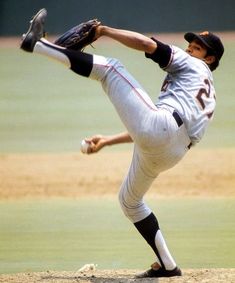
119	276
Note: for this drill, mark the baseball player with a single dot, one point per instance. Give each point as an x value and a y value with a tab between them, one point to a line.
163	132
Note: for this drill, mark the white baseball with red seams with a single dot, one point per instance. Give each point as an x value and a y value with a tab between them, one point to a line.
84	146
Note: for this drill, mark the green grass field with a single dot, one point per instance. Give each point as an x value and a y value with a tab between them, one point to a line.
46	108
66	234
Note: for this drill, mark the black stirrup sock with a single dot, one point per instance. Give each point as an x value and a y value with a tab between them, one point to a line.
148	228
81	63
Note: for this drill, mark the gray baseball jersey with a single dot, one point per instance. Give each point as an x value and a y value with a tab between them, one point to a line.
188	88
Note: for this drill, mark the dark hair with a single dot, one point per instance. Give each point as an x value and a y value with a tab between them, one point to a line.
215	64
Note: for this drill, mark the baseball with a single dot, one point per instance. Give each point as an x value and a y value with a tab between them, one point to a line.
84	146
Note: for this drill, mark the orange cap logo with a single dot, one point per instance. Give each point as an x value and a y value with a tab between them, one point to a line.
204	33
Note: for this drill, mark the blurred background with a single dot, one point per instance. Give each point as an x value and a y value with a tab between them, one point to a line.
144	16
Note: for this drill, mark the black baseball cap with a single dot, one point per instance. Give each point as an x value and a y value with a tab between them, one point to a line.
210	40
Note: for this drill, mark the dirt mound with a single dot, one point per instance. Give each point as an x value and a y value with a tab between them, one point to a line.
121	276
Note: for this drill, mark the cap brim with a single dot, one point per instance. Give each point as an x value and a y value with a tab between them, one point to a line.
190	36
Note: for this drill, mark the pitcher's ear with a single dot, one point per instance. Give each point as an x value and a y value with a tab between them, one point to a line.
209	59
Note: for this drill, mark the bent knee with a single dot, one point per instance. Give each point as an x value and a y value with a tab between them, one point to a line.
126	204
102	66
134	210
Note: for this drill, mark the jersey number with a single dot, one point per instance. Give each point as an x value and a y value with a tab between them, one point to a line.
201	95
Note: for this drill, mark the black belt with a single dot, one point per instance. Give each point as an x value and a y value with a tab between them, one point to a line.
177	118
179	122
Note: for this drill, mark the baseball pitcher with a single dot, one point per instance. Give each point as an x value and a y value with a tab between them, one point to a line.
163	132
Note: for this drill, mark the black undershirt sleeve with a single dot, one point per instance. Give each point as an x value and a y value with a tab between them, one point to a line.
162	54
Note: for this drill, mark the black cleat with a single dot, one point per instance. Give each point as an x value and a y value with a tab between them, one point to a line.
161	272
35	31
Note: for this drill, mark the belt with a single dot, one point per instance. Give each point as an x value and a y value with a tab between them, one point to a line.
177	118
179	122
